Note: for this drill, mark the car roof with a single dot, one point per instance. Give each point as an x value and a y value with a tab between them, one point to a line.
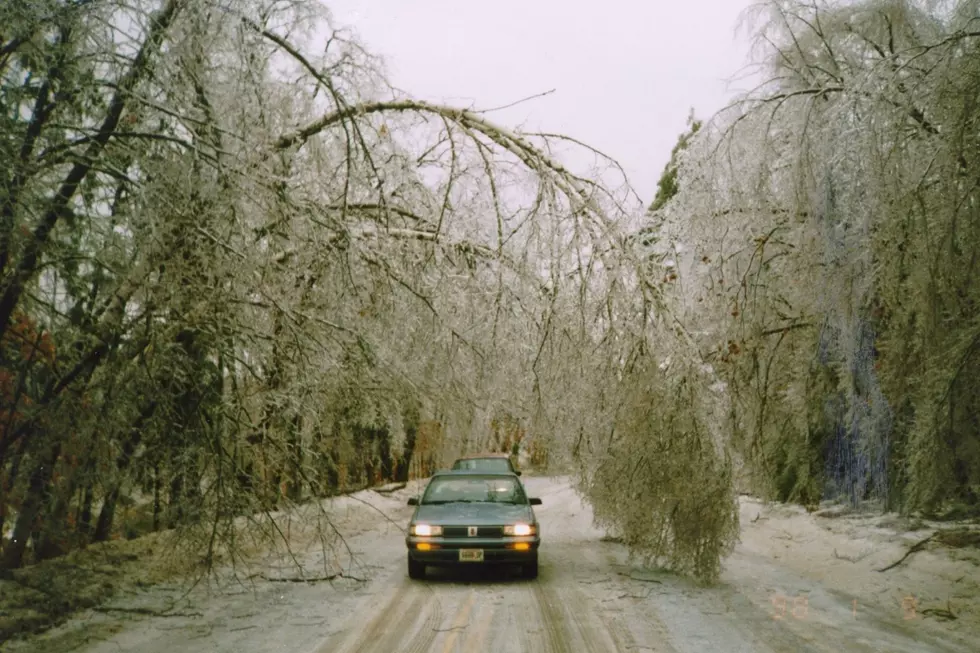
483	455
471	472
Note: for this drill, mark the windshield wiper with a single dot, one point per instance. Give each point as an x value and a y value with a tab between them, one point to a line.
440	502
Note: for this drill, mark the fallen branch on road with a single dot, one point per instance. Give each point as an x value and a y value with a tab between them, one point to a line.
635	596
914	548
834	511
644	580
856	558
379	511
309	579
147	612
946	613
451	629
786	535
388	489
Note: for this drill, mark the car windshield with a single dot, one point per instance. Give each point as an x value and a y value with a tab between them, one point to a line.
474	489
484	464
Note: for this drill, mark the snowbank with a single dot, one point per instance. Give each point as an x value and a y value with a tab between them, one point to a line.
853	553
311	542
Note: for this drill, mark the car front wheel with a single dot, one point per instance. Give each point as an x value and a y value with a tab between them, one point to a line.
530	568
416	569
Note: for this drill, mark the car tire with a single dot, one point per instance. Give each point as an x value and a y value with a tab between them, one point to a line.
416	569
530	569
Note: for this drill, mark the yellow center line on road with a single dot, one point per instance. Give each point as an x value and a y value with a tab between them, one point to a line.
459	622
475	641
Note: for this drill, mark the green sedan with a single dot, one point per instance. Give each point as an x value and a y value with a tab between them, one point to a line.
470	517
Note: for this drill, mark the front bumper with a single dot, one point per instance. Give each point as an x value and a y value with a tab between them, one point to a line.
438	551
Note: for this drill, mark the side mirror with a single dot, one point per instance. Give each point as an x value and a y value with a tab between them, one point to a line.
517	472
534	501
414	501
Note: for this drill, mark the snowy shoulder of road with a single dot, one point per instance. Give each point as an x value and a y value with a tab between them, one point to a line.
796	582
935	588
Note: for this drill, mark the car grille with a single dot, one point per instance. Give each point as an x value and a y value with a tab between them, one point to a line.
482	531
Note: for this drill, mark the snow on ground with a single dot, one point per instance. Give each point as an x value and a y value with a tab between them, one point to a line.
587	598
842	551
140	572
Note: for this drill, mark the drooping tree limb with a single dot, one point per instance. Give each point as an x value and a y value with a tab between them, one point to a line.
16	281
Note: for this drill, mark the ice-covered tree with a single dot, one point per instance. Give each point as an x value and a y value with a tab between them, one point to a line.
830	215
260	267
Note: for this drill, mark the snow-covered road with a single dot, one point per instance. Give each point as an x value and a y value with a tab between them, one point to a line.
586	599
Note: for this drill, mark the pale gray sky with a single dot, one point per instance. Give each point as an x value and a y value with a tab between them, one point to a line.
625	72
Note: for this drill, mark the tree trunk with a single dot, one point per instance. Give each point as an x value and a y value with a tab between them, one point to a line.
175	512
11	481
51	538
411	421
13	553
384	446
156	497
295	449
275	381
85	512
103	528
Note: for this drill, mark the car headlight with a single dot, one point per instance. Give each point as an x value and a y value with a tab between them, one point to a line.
425	530
519	529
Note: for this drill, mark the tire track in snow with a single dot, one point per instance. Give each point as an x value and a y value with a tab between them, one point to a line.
571	619
583	571
397	609
619	632
397	627
426	633
585	621
618	624
527	621
551	619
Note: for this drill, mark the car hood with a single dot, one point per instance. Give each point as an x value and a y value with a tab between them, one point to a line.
474	514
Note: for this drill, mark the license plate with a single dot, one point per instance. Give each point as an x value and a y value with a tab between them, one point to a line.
471	555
